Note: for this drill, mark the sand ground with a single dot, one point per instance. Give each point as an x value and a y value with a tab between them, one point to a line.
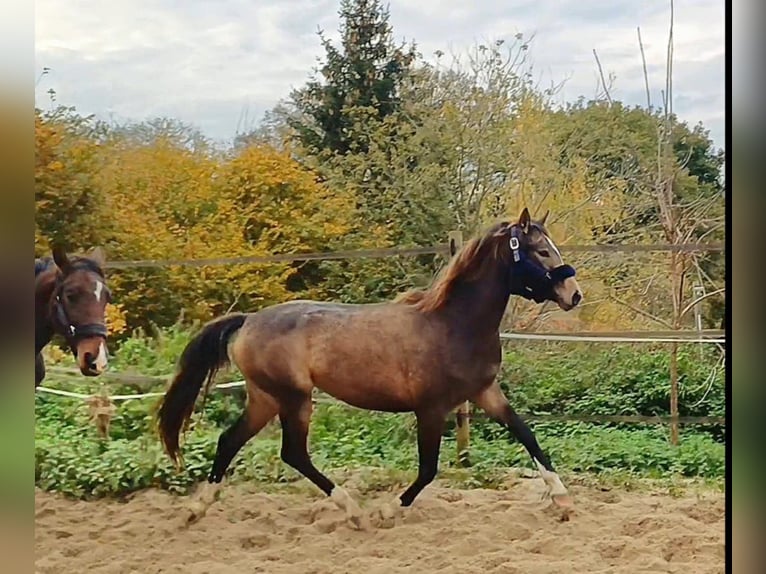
447	530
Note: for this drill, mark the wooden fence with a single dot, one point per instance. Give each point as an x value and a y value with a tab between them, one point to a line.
463	412
441	249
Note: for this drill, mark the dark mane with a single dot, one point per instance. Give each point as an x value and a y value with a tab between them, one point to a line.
468	264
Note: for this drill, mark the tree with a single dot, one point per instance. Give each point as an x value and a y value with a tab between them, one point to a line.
619	144
272	204
469	143
366	72
68	205
170	200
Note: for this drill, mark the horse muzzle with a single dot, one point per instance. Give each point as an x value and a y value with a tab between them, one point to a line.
92	359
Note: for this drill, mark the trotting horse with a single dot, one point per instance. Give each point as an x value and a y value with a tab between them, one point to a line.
425	352
70	300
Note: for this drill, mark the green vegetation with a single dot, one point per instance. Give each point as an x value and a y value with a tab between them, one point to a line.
381	148
72	458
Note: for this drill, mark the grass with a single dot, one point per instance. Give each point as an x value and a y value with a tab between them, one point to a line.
71	458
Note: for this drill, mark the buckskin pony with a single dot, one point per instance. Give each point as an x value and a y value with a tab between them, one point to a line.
70	300
424	352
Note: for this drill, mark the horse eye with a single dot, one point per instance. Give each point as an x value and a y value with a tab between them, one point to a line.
72	296
545	253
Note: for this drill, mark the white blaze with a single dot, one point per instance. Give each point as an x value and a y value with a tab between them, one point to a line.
553	246
101	360
97	291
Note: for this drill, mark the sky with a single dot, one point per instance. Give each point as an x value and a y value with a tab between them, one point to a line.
220	64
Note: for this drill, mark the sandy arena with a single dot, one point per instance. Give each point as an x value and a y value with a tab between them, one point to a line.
447	530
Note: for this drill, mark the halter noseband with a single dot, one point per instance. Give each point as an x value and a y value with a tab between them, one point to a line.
528	278
71	331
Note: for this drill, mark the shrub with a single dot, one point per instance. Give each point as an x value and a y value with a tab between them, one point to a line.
73	459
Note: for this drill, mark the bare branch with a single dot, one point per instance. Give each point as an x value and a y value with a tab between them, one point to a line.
641	312
603	81
646	75
703	274
691	305
233	303
669	76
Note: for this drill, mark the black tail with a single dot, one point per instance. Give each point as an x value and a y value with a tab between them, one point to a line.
199	362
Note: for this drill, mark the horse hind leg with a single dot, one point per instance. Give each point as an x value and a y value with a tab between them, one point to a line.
260	409
295	416
430	427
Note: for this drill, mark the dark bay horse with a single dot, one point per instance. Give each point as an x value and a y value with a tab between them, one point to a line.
425	352
70	300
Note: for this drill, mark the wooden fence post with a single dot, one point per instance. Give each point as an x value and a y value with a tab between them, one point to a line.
698	291
462	413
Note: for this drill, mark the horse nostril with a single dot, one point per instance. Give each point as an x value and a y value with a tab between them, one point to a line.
90	361
576	298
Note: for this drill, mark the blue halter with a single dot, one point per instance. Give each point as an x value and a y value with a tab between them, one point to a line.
529	279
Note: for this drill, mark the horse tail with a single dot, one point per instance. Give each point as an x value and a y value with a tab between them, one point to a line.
200	360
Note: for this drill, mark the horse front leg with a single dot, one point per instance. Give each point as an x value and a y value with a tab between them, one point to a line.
496	405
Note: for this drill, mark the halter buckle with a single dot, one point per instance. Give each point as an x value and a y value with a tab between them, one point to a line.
515	248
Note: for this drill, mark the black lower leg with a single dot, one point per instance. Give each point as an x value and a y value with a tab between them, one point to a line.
519	429
295	450
429	442
229	443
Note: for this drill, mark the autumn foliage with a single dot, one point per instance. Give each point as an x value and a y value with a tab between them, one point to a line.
164	200
399	153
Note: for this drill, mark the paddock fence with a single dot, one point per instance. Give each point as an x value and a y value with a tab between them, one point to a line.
145	385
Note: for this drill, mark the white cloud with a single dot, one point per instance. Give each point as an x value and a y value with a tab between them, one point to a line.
207	62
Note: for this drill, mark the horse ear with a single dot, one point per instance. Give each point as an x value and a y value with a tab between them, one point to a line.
60	257
98	256
545	217
524	220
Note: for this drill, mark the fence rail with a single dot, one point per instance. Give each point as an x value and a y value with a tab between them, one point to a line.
714	336
464	414
323	399
145	382
440	249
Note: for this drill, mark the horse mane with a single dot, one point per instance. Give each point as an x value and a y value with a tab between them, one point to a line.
468	264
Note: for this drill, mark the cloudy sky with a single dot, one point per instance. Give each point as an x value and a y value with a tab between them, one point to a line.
214	63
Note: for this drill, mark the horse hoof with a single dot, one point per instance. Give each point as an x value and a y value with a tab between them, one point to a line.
359	522
194	513
563	506
206	496
354	515
388	512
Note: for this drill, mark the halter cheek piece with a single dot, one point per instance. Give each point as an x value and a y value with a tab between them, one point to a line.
531	280
71	331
